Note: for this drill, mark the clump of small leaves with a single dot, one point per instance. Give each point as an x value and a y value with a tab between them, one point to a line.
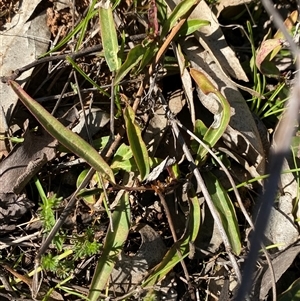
48	207
86	245
62	269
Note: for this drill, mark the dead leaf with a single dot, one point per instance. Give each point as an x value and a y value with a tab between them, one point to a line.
158	123
21	43
12	208
186	81
229	6
17	169
130	271
280	264
289	22
96	119
154	174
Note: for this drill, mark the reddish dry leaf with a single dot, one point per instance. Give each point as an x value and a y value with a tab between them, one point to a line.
265	49
152	19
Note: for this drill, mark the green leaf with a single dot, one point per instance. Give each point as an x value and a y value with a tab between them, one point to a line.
191	26
225	209
67	39
88	194
133	58
100	143
113	246
216	130
149	53
109	37
172	257
269	69
180	10
89	15
199	130
292	293
123	159
65	136
85	76
162	10
136	142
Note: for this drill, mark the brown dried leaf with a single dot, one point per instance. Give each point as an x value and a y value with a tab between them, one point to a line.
22	42
229	5
280	264
25	160
130	271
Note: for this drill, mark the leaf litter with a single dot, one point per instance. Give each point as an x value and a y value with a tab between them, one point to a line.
158	238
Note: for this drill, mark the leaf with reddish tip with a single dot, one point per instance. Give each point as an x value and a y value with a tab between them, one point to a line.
267	51
215	132
203	83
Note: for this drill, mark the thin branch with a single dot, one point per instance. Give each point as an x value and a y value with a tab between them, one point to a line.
18	72
173	231
208	199
283	138
204	190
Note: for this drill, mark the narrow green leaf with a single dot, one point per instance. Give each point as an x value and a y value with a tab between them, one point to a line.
69	36
113	246
162	10
225	209
136	142
85	76
180	10
89	15
115	3
133	58
66	137
172	257
199	130
217	129
123	159
109	37
191	26
149	53
292	293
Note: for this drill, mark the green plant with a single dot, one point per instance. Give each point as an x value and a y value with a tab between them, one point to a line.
85	245
121	167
